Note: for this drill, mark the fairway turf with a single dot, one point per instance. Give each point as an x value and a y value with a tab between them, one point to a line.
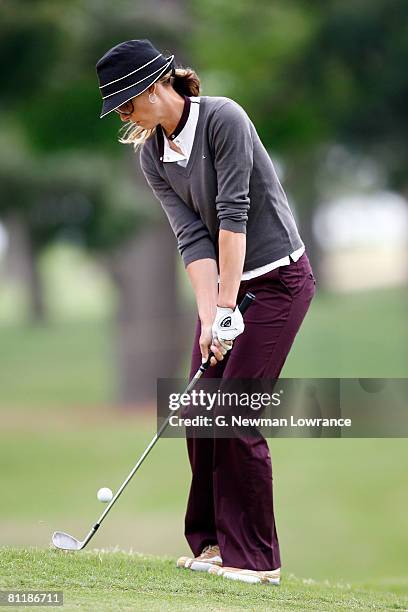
114	580
68	362
340	504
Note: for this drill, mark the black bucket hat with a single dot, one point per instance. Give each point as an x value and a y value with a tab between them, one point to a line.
127	70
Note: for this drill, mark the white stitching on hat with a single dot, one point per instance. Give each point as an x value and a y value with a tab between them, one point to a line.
133	71
133	84
107	112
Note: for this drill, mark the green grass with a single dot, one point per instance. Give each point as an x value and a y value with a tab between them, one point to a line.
353	335
68	363
62	364
340	504
103	580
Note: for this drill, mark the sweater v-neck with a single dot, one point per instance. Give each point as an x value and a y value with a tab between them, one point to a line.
169	167
238	190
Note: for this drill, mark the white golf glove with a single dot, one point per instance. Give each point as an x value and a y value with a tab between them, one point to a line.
228	324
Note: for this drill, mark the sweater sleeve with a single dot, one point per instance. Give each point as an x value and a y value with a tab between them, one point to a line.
193	239
232	144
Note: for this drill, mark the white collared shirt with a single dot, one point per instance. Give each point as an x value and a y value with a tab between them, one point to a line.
186	137
184	141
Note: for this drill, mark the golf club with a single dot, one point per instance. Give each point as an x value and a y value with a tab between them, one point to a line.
65	541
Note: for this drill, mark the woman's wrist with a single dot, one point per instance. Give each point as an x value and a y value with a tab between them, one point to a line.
207	319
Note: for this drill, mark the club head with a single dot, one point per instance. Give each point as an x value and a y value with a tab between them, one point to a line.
65	541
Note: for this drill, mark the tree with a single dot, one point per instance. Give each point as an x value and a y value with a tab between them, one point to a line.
311	75
55	186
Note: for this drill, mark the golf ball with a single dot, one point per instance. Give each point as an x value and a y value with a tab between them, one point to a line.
104	495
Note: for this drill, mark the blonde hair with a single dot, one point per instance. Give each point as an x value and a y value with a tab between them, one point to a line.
185	82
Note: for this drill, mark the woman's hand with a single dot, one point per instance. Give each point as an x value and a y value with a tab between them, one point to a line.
207	343
228	324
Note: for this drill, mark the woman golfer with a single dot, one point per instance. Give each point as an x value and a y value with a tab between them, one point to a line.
204	161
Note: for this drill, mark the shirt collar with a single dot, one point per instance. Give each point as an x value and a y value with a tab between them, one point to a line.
176	132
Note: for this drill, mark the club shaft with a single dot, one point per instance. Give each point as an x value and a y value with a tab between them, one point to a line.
243	306
191	384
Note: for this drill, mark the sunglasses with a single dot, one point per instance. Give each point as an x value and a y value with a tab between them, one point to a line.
125	109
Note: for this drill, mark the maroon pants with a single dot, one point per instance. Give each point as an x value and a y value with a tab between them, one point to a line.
230	501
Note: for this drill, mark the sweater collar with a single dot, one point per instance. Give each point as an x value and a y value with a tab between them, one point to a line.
178	128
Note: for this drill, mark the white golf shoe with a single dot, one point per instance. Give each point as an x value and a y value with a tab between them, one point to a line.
210	557
244	575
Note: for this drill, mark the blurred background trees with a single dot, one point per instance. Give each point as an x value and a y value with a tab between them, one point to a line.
313	76
65	178
324	83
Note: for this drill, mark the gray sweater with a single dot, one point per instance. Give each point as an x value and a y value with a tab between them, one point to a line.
229	183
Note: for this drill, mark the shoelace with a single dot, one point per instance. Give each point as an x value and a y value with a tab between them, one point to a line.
210	551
